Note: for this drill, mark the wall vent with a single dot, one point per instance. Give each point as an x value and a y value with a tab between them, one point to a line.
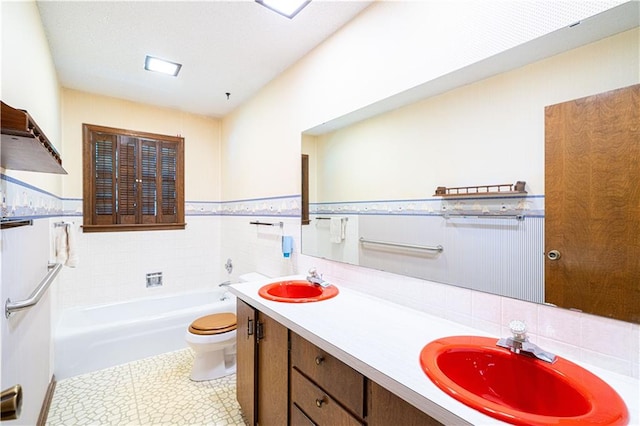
154	279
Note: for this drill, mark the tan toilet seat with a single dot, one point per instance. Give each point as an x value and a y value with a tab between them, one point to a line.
214	324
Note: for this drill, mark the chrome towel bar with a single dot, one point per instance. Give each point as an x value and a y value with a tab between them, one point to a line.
280	224
11	307
519	217
437	248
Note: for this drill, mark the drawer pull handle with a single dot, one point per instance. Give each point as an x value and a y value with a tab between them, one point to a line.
320	402
319	359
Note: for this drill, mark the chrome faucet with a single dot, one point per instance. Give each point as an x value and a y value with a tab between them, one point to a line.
226	292
315	278
519	343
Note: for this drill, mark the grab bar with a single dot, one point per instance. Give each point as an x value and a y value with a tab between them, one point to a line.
11	307
437	248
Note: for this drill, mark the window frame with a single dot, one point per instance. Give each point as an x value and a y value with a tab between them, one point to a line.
89	181
304	190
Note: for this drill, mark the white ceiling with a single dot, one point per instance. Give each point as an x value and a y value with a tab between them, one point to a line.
234	46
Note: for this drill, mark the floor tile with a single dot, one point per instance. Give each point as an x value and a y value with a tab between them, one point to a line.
154	391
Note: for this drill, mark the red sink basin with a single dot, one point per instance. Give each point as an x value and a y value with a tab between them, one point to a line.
518	389
297	291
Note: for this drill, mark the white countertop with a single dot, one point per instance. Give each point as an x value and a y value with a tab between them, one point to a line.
383	340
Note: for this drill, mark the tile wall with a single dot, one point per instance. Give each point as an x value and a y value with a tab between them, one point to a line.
607	343
194	259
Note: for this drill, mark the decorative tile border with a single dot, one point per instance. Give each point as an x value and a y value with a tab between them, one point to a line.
19	199
72	207
530	205
285	206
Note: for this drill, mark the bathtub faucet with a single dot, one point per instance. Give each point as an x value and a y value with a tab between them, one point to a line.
226	292
519	343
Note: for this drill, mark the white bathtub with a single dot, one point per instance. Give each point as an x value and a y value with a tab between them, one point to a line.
96	337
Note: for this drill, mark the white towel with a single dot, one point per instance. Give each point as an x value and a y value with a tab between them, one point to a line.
72	247
336	230
61	247
66	251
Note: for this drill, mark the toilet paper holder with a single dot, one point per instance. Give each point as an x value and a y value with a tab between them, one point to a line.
11	403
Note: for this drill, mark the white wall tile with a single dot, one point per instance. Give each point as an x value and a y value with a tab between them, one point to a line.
607	336
559	324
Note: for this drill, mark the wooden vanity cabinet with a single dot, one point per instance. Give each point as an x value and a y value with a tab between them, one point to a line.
246	361
385	408
262	367
325	390
283	379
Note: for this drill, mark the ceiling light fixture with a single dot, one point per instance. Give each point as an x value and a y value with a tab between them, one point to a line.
288	8
160	65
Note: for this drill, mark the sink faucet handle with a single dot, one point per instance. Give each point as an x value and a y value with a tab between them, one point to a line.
313	272
519	330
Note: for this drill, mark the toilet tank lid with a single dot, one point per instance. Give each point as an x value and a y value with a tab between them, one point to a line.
252	276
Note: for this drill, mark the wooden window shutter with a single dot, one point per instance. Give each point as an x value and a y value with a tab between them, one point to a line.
104	152
168	171
132	180
149	183
127	182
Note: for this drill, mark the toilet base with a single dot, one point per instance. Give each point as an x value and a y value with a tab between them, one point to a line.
212	365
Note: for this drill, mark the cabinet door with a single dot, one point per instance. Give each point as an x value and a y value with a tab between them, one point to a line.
246	361
385	408
273	368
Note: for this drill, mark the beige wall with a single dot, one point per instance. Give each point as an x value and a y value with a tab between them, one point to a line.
390	47
490	132
202	138
29	79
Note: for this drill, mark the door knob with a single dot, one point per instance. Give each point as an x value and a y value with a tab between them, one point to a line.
553	255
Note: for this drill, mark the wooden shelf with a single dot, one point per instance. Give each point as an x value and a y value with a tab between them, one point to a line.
24	145
7	223
482	190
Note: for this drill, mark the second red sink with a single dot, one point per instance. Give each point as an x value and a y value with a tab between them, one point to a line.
518	389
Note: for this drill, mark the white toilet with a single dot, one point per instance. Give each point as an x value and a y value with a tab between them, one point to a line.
213	339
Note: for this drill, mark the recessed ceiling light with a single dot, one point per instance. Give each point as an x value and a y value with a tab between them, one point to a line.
288	8
160	65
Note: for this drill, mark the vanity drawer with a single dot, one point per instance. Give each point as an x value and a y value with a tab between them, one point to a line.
338	379
299	418
318	407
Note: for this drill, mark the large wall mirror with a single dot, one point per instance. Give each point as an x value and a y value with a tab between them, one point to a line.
374	174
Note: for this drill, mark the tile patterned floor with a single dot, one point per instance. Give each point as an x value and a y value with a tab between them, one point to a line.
151	392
